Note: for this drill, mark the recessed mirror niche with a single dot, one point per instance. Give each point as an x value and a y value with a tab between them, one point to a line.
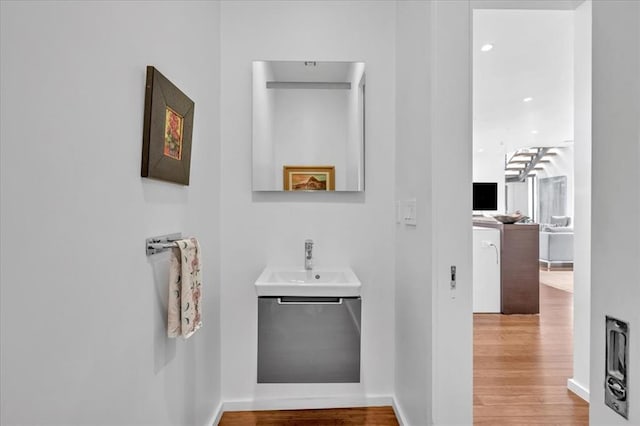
308	126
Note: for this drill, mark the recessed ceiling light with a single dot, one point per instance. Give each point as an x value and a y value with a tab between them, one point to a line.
480	149
534	132
528	99
486	47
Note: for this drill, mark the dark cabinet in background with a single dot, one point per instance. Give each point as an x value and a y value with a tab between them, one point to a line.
519	267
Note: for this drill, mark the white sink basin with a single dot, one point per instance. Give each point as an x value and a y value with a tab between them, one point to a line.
319	282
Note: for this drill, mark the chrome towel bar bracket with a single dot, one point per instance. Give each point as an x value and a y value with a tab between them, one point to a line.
155	245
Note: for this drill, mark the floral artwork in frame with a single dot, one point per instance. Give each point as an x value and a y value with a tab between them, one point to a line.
174	124
309	178
168	126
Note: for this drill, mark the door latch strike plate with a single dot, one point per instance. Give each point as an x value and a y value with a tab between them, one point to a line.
453	277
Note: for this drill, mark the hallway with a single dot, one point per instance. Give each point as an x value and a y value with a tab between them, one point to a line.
522	363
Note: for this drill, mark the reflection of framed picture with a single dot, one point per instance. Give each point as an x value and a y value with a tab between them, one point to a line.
168	125
309	178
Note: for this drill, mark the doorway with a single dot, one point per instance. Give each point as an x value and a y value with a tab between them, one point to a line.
523	101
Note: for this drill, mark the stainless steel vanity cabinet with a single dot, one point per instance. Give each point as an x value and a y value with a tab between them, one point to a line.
309	339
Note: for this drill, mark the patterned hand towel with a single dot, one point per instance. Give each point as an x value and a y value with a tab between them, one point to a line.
185	293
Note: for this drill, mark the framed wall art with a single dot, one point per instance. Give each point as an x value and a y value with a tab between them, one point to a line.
168	126
309	178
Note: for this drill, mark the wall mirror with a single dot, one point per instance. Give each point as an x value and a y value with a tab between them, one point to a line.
308	126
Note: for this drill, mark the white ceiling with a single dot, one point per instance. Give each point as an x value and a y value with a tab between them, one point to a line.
532	57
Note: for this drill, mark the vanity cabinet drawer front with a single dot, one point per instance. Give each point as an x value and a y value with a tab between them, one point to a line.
308	340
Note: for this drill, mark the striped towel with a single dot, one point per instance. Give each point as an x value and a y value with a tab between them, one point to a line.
185	293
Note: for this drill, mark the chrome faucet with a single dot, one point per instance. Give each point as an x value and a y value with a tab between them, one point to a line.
308	254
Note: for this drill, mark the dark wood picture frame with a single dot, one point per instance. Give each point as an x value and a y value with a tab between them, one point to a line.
168	127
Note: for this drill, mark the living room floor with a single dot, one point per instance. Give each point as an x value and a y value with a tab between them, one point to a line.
560	278
522	362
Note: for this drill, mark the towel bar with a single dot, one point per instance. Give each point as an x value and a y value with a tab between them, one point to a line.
155	245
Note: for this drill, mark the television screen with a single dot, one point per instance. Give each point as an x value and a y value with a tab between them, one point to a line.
485	196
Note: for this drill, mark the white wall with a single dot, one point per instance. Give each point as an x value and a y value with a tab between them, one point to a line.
451	203
615	248
82	308
413	313
311	127
270	228
579	383
433	323
563	165
517	194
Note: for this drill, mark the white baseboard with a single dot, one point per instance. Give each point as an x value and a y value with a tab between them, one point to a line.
401	418
306	403
578	389
217	415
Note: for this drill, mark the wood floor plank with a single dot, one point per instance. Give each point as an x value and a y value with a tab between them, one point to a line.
531	421
522	363
370	416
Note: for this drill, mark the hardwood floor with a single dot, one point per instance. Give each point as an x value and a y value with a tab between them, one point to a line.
378	416
522	363
562	279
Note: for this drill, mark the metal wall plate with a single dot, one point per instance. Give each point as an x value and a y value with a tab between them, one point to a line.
616	385
162	239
